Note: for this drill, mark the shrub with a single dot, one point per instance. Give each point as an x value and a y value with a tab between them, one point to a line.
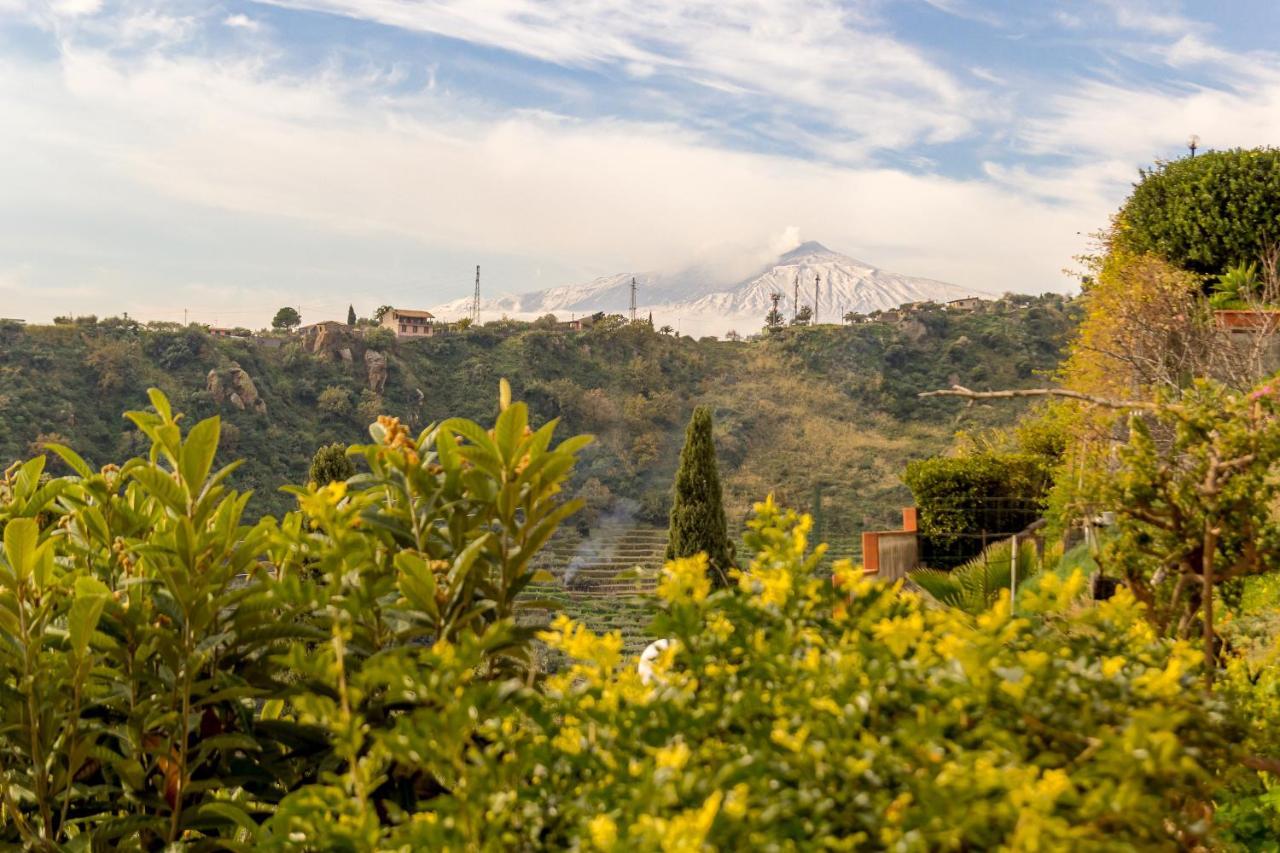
1206	213
162	686
788	710
330	464
334	400
965	500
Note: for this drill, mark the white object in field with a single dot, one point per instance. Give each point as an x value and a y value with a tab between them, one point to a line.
647	658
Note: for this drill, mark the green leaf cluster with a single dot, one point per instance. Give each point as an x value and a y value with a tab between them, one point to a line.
172	673
1206	213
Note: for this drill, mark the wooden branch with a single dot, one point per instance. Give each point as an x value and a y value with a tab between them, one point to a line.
1262	762
1107	402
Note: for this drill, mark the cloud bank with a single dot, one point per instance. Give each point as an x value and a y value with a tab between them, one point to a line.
204	158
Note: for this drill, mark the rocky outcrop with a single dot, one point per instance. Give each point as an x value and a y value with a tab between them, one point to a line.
234	386
376	363
328	338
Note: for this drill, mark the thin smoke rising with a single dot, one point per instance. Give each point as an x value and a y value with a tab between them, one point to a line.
730	263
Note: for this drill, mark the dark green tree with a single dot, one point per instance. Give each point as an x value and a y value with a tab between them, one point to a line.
1207	213
286	318
351	315
697	523
331	464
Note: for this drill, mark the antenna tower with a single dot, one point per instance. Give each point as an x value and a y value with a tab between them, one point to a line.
633	299
795	299
475	300
817	280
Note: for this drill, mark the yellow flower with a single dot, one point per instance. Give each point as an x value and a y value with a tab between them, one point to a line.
900	632
1111	666
793	741
685	579
735	804
604	832
673	757
568	739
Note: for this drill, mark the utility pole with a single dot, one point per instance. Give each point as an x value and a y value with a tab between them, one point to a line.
633	300
184	316
817	280
475	300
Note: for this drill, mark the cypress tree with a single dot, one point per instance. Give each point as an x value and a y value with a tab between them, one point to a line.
697	508
331	464
351	315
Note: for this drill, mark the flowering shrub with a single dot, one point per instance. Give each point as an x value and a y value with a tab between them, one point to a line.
791	709
355	677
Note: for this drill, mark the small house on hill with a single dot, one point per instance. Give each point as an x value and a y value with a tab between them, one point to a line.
315	328
969	303
408	323
578	324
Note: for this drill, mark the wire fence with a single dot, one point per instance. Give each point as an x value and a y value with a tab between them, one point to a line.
953	532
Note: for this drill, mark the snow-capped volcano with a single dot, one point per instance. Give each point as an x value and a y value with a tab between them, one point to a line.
697	303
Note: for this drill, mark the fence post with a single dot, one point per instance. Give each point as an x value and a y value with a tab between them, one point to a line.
1013	570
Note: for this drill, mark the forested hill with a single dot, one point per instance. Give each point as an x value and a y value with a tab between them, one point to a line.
829	410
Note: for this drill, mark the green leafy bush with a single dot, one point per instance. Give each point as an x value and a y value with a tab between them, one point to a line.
964	500
169	671
1206	213
976	585
359	675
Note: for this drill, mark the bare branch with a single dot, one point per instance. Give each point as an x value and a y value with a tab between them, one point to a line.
1107	402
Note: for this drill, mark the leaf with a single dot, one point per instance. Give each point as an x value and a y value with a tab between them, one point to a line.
161	403
198	452
20	536
509	431
74	460
161	486
417	582
223	809
86	610
504	394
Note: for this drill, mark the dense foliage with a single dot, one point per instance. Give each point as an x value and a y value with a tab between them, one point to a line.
171	673
1208	213
844	395
697	524
968	500
1196	498
358	675
329	464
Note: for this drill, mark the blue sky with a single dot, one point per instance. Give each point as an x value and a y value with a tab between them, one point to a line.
225	158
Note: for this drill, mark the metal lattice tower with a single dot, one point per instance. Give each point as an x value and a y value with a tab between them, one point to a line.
633	299
817	280
475	300
795	299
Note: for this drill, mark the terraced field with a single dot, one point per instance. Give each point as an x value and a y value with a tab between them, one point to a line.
607	579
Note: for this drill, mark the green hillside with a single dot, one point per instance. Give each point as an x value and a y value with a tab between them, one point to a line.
829	410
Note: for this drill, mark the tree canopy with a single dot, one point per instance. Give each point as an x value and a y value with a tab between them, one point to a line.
286	318
1208	213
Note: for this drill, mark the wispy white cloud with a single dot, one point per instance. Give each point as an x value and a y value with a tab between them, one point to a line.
241	21
155	171
608	194
830	59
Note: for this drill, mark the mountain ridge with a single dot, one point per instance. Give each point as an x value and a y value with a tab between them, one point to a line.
695	302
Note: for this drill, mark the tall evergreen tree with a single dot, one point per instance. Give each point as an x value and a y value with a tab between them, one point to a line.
697	509
331	464
351	315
